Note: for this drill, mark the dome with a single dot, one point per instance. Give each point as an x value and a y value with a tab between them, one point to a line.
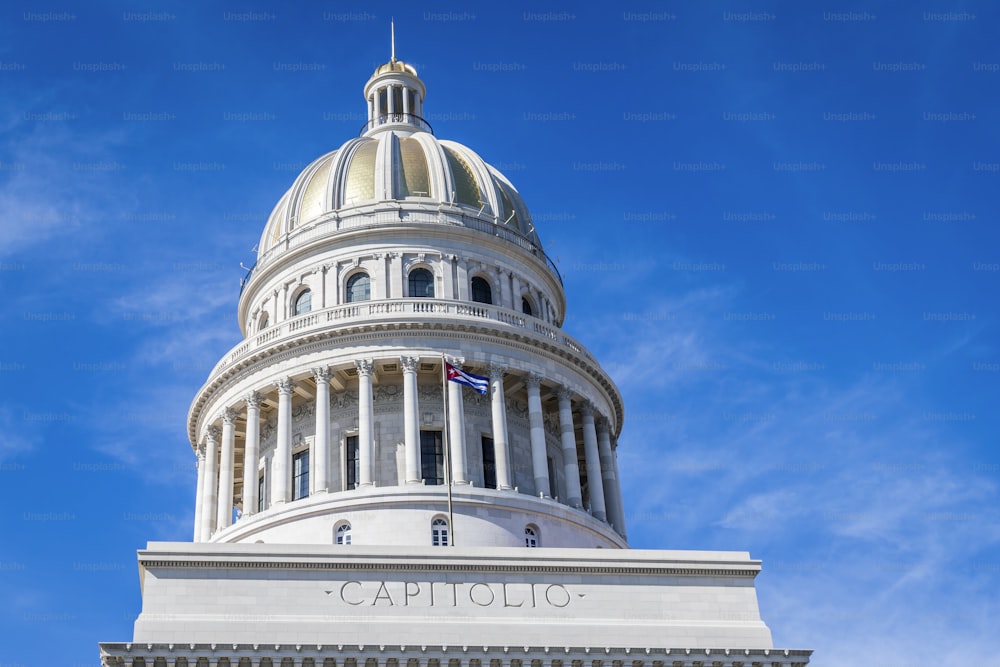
395	66
402	166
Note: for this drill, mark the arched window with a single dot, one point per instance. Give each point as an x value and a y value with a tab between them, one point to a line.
481	290
421	283
439	532
303	302
526	307
262	322
359	288
530	536
344	533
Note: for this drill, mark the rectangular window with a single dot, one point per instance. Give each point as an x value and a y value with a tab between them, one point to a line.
431	457
489	463
352	463
552	478
300	475
260	493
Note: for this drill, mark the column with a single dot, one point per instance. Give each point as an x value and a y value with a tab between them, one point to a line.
366	419
390	100
502	290
595	483
320	468
199	494
225	510
281	466
211	483
336	460
448	269
574	497
251	454
377	104
411	428
618	494
395	287
463	280
322	286
456	429
608	473
539	458
515	292
499	426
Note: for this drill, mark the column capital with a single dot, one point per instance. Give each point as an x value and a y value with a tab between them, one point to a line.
409	364
252	399
321	374
455	361
228	416
563	393
497	371
199	450
212	434
603	425
364	366
535	380
284	385
587	408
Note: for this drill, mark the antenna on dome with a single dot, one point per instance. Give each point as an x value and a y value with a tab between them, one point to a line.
392	32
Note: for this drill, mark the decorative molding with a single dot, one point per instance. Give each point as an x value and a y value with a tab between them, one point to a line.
252	400
409	363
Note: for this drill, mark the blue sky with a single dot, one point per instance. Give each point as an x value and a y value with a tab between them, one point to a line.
776	222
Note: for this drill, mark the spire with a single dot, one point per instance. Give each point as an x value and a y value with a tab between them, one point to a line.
395	95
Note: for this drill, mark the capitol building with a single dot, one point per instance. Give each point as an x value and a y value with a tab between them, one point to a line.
407	462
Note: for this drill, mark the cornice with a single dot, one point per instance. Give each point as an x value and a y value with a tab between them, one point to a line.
123	654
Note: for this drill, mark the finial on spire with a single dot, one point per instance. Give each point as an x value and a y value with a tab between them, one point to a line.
392	28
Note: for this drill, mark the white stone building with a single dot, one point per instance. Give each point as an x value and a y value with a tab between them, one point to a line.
325	533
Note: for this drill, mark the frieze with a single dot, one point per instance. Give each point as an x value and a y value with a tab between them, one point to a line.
303	410
429	392
344	399
388	392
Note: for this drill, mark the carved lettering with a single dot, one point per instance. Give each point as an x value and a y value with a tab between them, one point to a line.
548	595
379	596
407	594
472	594
344	599
463	594
506	600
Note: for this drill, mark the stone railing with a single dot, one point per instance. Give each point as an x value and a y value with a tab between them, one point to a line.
388	310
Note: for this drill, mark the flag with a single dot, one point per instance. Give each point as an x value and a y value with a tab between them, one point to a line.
477	382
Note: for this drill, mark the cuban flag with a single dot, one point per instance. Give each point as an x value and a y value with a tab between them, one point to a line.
477	382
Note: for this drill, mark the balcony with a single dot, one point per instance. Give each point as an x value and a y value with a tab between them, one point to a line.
395	310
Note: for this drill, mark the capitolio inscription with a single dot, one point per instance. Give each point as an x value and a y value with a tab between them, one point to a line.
450	594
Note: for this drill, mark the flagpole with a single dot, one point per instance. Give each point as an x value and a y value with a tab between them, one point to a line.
447	448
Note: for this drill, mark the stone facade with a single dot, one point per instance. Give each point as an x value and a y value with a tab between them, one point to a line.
355	507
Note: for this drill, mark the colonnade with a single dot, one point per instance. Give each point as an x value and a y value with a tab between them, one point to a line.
217	449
